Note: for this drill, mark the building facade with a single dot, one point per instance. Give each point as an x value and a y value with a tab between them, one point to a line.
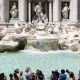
52	8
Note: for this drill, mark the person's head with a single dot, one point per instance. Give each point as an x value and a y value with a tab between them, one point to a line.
14	3
67	71
52	72
65	4
11	75
38	9
57	74
16	71
2	76
27	69
40	3
40	72
37	71
56	70
62	71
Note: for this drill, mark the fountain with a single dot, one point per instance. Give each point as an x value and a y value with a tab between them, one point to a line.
40	35
42	41
48	46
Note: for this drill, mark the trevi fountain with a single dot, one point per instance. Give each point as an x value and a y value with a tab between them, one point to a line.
39	43
40	35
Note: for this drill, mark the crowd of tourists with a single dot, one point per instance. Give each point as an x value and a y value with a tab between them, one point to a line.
38	75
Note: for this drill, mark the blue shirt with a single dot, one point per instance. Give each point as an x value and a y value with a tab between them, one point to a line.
63	76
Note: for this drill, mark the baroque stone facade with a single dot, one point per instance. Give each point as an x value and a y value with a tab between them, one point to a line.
43	25
52	8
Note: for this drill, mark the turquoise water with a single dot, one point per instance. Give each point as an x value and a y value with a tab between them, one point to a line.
45	62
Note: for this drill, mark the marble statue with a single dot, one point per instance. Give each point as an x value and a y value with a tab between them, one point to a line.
41	37
39	16
14	11
65	11
39	5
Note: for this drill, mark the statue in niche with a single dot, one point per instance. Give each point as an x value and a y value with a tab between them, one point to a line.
65	11
14	11
39	16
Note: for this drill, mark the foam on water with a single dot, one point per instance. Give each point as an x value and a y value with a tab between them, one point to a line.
48	52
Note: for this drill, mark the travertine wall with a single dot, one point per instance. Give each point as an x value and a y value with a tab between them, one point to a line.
54	10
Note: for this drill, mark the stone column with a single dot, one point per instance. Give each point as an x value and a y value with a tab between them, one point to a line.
46	8
22	10
75	10
4	10
71	11
29	14
56	10
50	11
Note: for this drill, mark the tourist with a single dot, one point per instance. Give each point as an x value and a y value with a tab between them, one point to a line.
17	72
0	76
71	76
63	76
3	77
52	77
32	76
41	76
57	75
79	75
15	77
11	76
20	76
69	72
37	74
27	73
